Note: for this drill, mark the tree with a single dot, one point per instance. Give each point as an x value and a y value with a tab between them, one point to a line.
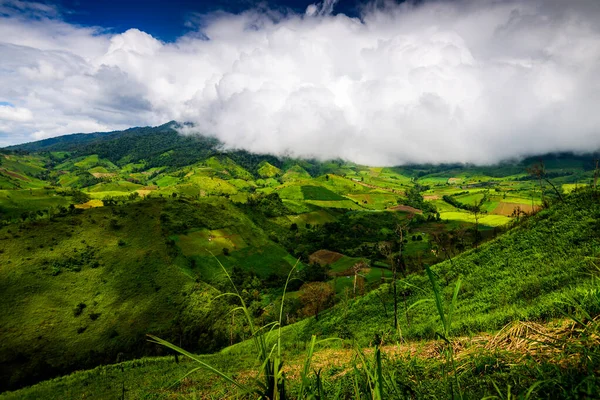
539	172
396	260
315	297
476	212
357	269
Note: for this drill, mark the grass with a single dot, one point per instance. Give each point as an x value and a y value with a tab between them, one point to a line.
229	166
118	186
523	274
344	204
212	186
267	170
14	202
147	270
544	267
320	193
206	242
485	219
301	220
127	276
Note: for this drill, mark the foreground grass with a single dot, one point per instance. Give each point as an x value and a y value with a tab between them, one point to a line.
560	359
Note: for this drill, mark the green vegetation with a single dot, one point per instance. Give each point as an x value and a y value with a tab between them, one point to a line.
173	222
319	193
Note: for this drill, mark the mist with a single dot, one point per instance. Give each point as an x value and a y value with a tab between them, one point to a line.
442	81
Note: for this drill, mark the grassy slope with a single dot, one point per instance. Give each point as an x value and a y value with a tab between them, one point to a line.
136	267
49	268
525	274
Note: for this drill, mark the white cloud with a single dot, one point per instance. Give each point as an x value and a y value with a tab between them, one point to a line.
16	114
468	81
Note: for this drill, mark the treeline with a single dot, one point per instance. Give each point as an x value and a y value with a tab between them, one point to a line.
453	202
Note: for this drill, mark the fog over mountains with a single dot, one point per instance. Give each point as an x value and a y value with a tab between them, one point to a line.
441	81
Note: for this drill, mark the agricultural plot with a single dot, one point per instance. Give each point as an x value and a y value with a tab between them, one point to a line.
507	209
13	180
343	274
132	167
166	180
267	170
437	180
343	266
313	218
298	206
325	257
405	209
569	187
25	165
341	185
118	186
320	193
345	204
290	192
209	242
485	219
295	173
471	198
375	201
228	166
14	202
212	185
264	261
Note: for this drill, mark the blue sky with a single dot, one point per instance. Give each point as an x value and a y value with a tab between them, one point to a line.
378	83
167	19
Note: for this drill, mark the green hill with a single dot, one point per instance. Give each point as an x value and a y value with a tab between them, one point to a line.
83	284
83	287
266	170
539	270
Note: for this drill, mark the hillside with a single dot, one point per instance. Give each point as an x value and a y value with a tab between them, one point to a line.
545	268
112	236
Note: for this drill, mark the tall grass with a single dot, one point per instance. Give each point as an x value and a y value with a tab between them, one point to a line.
270	381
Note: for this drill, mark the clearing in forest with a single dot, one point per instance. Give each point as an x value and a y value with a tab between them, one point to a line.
90	204
505	208
324	257
405	208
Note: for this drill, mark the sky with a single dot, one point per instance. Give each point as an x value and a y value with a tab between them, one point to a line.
378	83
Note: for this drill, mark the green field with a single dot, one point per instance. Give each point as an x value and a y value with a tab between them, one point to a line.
319	193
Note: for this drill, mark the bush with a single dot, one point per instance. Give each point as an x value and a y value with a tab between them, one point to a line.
79	309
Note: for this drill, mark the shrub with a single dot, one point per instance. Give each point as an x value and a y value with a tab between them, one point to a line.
79	309
94	316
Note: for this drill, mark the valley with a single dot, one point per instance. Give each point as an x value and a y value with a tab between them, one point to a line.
106	238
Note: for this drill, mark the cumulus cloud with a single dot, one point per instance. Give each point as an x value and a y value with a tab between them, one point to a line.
461	81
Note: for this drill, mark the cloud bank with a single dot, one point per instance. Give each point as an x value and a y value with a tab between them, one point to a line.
461	81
